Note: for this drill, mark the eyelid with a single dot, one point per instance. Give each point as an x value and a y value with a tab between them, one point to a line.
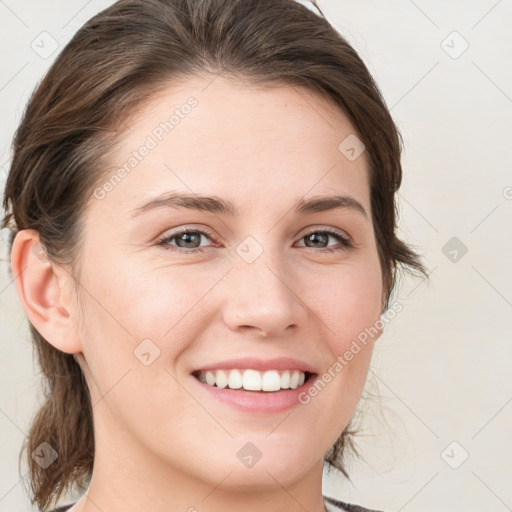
331	229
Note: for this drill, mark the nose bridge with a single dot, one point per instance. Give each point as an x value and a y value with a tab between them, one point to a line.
262	291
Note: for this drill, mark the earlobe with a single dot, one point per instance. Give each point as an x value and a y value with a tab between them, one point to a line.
45	291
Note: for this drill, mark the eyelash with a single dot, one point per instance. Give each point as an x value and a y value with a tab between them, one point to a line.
346	243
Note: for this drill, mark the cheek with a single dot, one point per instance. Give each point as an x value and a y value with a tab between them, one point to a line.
139	300
136	306
348	303
137	323
347	299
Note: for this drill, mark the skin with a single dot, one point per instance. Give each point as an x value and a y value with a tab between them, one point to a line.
158	440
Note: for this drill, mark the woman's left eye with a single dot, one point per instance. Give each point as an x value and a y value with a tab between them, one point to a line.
190	239
344	240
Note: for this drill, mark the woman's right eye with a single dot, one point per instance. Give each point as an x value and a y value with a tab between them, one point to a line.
186	239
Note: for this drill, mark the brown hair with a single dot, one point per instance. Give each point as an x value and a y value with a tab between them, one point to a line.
111	66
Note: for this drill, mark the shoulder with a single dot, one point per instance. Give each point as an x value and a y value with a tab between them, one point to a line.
341	505
335	504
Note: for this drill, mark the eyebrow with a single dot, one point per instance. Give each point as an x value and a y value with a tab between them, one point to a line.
217	205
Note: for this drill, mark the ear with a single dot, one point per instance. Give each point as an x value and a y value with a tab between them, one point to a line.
46	292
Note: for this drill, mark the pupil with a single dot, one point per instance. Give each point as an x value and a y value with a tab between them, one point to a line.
185	238
314	236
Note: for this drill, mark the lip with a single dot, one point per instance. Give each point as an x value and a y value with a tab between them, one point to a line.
257	402
254	363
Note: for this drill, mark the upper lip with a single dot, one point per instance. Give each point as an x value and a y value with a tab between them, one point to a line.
277	363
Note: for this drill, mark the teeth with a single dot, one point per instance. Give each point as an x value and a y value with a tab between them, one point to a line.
285	380
253	380
221	379
294	380
235	380
270	381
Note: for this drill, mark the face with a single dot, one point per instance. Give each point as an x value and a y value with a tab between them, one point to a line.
267	282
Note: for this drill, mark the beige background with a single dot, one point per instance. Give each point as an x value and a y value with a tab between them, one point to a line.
442	367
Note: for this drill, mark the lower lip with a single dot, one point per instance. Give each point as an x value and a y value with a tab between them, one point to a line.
258	401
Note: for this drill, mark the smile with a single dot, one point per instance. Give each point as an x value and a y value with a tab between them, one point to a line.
284	388
253	380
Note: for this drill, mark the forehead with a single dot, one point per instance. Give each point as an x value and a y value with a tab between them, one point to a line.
237	141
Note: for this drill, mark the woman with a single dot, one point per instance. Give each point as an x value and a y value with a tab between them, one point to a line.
202	205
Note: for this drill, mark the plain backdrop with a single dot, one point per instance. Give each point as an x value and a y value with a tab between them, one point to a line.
441	437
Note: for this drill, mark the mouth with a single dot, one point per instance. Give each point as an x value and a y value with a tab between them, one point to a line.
254	381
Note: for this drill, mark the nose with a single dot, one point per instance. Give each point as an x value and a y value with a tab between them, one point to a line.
264	298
